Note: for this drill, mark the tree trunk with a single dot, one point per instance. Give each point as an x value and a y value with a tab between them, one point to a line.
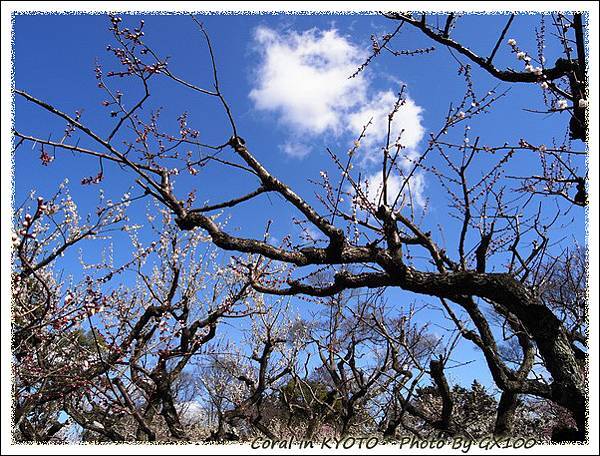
568	386
506	414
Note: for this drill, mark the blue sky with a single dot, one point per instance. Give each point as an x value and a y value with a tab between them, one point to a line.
286	126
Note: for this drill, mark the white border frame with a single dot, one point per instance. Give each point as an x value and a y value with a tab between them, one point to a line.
348	7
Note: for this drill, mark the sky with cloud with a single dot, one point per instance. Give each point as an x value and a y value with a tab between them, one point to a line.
308	80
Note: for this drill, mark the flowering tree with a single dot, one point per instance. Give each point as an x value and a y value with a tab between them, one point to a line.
51	351
240	383
491	278
111	359
563	83
347	392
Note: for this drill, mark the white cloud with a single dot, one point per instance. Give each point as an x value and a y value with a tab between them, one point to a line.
406	124
412	193
304	78
295	149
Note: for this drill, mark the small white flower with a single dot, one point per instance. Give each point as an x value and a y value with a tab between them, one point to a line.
544	85
537	71
562	104
512	42
542	148
521	55
529	68
583	103
461	115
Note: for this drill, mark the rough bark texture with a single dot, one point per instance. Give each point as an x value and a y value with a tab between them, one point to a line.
506	414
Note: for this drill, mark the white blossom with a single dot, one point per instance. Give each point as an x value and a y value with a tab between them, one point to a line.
583	103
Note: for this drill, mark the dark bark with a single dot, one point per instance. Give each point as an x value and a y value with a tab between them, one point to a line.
574	69
509	294
506	414
444	424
